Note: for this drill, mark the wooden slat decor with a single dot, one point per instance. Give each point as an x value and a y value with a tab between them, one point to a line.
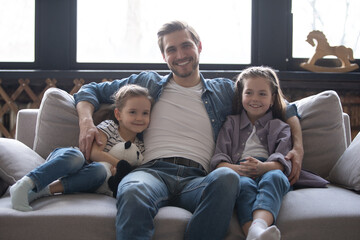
10	104
10	99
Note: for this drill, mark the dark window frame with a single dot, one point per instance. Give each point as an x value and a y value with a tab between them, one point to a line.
55	40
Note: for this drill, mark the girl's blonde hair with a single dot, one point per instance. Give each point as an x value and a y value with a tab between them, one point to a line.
129	91
121	96
279	106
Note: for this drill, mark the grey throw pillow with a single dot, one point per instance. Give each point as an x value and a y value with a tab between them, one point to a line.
16	160
346	171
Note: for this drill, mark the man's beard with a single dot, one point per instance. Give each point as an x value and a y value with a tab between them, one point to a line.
187	74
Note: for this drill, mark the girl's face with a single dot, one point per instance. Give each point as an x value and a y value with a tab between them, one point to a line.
257	97
134	117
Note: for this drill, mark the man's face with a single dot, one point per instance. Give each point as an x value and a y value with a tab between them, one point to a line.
181	54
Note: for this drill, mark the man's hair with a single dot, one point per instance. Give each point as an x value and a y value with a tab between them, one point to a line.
174	26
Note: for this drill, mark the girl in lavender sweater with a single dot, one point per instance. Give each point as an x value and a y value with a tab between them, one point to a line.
254	143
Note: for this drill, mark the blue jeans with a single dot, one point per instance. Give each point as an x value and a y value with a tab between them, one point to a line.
211	199
265	192
69	165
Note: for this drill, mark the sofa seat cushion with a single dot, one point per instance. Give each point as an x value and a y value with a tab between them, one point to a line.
75	216
87	216
320	213
324	213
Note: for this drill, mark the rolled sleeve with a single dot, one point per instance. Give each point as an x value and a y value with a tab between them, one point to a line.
291	111
218	158
278	157
96	93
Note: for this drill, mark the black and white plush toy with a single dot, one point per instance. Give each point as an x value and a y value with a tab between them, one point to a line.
130	157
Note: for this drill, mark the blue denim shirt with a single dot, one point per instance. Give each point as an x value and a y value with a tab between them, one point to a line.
217	96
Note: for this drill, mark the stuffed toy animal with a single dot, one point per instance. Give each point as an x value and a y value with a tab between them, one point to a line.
130	157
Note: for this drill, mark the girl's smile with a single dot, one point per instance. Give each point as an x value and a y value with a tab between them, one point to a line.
257	97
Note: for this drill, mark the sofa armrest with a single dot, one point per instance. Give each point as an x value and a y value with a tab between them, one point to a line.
25	126
347	128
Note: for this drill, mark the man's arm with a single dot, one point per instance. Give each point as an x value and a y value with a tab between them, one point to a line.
297	153
88	131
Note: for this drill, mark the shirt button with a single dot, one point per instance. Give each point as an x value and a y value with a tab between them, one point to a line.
213	120
206	102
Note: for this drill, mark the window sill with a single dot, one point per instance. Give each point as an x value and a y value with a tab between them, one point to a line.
289	79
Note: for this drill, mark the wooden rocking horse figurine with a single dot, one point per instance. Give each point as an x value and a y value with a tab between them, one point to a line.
344	54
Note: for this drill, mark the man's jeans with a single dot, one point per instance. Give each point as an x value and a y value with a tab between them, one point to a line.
211	199
69	164
265	192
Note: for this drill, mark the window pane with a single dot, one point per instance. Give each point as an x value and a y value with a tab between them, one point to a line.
337	19
126	30
17	30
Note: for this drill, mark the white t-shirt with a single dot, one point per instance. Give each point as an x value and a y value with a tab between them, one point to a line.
253	147
180	126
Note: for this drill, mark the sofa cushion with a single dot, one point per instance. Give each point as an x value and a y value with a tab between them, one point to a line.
320	213
67	216
3	187
76	213
308	179
323	131
16	160
57	122
346	171
321	122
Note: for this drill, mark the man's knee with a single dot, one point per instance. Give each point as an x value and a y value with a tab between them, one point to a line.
225	179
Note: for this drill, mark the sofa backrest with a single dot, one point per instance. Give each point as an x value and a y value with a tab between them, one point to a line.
321	120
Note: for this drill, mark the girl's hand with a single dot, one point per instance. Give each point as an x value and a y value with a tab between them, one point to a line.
243	169
252	167
113	170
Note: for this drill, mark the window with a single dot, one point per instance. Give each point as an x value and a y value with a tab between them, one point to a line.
337	19
17	31
124	31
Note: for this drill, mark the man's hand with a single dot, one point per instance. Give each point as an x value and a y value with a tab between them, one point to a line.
88	131
297	153
295	156
88	134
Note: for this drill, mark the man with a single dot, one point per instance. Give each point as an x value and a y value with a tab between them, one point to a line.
179	142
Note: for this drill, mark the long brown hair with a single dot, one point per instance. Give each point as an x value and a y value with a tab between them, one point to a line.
279	106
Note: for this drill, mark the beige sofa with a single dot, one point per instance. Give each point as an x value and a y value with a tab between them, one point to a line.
311	213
